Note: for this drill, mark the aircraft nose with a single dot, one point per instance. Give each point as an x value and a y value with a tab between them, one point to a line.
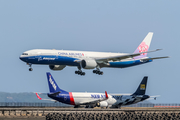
22	58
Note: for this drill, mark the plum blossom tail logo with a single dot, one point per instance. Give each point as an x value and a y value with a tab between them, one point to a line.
52	82
143	48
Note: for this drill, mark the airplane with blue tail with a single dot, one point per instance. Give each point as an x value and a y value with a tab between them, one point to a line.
91	100
59	59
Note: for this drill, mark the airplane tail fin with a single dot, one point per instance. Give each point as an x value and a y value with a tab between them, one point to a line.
144	46
53	87
142	87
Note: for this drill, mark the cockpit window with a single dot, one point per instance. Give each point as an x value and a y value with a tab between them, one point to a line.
24	54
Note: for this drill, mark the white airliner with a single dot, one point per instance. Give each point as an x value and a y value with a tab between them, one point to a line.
59	59
95	99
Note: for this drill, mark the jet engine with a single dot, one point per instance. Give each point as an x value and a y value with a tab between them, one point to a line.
102	104
88	63
57	67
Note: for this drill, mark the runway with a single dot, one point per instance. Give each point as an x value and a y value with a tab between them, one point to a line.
89	113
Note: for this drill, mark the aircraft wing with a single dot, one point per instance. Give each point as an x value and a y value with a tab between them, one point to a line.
115	58
44	99
117	94
91	102
95	101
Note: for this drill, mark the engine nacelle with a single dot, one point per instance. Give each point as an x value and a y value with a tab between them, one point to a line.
102	104
88	63
57	67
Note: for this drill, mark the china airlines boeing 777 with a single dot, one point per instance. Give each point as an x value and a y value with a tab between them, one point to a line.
95	99
59	59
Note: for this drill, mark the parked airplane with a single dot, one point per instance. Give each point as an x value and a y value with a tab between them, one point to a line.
94	99
59	59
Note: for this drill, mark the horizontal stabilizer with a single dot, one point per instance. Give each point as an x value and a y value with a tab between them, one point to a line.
153	97
155	58
54	94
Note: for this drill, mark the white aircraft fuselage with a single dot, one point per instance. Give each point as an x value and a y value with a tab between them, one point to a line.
59	59
95	99
67	57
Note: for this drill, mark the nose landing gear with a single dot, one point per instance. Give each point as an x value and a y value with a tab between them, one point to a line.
30	68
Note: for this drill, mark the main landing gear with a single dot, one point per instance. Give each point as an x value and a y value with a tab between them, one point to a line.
79	72
98	71
30	68
76	106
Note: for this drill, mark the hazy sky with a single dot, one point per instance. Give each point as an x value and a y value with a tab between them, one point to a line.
103	25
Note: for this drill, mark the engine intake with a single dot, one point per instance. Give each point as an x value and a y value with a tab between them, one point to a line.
88	63
57	67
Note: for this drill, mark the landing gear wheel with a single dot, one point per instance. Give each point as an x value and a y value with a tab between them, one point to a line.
86	106
30	69
101	73
80	73
98	72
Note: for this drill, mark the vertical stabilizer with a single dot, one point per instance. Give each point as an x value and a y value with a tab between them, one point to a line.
142	87
53	87
144	46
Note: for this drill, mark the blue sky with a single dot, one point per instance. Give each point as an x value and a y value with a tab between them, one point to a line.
107	26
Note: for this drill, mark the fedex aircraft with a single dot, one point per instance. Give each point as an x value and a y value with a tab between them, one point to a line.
59	59
95	99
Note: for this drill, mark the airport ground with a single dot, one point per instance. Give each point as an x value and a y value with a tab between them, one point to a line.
125	113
